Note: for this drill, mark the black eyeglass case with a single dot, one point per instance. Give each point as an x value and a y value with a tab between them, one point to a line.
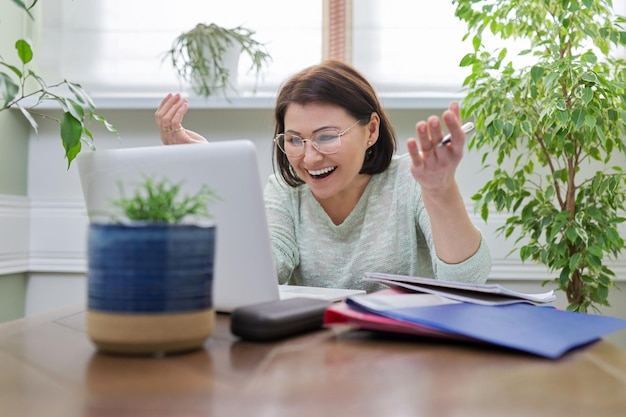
278	319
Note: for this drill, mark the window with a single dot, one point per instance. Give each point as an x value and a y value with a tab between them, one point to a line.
409	46
403	47
118	45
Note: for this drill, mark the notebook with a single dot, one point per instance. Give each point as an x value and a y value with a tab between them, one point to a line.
244	265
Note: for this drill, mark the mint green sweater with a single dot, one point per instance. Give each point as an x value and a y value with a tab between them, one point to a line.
388	231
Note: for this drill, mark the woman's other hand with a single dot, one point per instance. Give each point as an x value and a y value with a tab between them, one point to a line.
169	118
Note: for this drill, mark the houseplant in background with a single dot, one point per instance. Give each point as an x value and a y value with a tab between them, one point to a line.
150	271
207	56
552	133
23	89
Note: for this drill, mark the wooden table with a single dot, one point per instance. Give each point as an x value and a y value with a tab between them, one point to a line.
49	368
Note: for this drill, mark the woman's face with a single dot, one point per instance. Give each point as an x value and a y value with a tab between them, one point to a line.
336	175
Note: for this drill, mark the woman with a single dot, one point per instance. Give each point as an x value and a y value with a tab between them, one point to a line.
341	203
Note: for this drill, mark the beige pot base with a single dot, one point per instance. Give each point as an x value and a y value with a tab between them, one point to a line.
146	334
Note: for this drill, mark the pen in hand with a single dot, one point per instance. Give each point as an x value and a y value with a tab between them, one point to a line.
466	128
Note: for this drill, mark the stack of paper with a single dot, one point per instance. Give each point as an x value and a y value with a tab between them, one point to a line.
488	294
540	330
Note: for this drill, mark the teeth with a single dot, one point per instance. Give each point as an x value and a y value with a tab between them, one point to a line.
322	171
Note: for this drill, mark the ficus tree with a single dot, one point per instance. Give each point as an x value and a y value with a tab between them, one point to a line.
551	132
24	89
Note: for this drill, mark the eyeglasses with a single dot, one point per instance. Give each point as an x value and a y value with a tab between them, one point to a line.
327	141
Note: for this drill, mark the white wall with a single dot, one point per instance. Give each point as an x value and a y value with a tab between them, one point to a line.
58	219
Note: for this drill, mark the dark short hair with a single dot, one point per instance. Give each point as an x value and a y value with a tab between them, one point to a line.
334	82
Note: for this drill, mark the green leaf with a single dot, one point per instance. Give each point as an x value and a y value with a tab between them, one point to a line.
71	130
578	117
467	60
525	253
40	81
87	133
12	68
563	277
110	127
28	116
600	134
24	51
603	292
8	90
536	72
594	261
550	80
589	57
510	184
571	235
562	116
71	153
23	6
587	95
81	95
74	108
590	77
484	212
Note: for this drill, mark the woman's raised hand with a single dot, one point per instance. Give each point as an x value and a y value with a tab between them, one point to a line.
434	166
169	118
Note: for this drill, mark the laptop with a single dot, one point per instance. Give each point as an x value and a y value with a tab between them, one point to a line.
244	273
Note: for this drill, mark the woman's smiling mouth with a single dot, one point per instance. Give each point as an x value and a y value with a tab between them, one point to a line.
321	173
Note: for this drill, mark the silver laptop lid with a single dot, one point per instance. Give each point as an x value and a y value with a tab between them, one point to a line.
244	265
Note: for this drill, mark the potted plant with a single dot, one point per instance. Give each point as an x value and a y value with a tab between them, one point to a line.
207	56
150	272
23	89
552	132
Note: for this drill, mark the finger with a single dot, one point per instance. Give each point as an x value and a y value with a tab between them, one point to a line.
164	119
424	135
163	107
176	113
455	108
412	147
172	130
453	124
167	99
171	111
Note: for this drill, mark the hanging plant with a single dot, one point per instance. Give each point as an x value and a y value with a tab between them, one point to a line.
198	56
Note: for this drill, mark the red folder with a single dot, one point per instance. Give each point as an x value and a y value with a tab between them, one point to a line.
341	314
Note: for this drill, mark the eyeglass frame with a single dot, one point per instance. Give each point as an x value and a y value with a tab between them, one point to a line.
314	142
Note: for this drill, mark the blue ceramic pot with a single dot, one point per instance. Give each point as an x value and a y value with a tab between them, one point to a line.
150	267
146	278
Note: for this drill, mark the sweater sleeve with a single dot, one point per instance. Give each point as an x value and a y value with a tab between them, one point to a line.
280	212
474	269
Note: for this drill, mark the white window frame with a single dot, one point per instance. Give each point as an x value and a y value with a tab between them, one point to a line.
412	54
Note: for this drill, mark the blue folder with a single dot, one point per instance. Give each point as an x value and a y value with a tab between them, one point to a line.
543	331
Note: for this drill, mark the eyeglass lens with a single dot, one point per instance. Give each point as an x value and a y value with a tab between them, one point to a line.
325	141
